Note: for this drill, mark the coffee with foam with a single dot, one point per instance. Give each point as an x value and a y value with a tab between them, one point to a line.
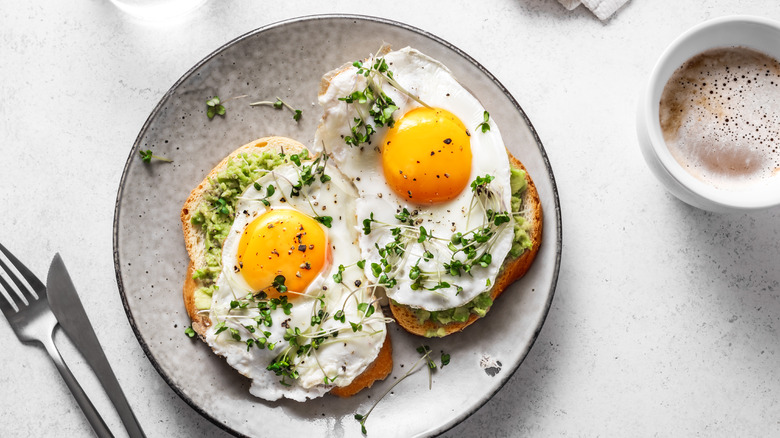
720	117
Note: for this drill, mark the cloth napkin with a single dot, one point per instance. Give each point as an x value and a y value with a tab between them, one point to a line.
602	8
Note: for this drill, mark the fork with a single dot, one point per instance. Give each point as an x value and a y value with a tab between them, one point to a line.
32	320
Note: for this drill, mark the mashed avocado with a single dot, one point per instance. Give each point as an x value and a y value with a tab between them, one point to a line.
522	241
215	214
478	306
481	304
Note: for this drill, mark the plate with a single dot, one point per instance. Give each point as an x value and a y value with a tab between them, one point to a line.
287	59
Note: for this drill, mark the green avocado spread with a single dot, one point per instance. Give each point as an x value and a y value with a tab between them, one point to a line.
481	304
215	214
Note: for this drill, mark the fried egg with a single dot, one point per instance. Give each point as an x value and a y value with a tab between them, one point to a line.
292	311
415	178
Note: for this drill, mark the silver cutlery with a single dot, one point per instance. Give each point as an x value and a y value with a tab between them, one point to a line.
66	305
32	320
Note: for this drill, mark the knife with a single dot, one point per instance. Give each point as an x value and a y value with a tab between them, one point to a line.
66	305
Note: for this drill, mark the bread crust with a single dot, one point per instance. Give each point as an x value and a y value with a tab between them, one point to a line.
510	272
379	369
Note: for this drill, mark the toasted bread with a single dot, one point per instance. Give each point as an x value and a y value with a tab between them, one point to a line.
513	268
194	240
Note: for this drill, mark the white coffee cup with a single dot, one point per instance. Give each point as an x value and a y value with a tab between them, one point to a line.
756	33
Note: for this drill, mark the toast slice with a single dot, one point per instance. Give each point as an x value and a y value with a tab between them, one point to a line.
196	242
513	268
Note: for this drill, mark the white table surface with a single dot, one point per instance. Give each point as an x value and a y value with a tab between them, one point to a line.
665	320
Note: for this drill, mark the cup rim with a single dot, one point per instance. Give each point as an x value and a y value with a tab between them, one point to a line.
723	199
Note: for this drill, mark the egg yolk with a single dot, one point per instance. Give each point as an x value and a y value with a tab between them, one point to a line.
282	242
426	156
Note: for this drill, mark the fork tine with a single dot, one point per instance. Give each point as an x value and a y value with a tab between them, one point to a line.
7	303
22	290
32	280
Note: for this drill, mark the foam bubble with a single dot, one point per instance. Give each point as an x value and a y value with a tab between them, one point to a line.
720	117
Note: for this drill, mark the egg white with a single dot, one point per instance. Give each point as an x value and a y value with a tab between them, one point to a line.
435	85
342	358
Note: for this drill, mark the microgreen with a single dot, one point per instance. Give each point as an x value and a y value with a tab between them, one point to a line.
485	125
403	216
274	303
279	104
269	191
278	284
325	220
214	107
481	182
425	351
189	331
366	308
423	235
222	206
468	249
373	106
147	155
308	173
319	317
337	277
367	224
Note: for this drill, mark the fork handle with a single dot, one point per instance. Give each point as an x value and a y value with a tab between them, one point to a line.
93	416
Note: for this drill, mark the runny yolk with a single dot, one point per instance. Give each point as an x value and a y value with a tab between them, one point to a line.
426	156
282	242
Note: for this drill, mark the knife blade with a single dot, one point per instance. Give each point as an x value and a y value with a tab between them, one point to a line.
70	313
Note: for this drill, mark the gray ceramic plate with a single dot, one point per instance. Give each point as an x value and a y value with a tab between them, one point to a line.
287	60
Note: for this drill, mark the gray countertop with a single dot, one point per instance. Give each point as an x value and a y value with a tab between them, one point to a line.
665	319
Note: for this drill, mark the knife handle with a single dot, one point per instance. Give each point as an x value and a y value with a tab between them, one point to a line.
105	374
93	416
86	342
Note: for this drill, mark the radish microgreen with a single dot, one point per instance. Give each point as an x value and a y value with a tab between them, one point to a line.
214	107
458	254
147	155
279	104
425	352
485	125
371	103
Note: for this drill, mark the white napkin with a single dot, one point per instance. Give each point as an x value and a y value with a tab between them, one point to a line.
602	8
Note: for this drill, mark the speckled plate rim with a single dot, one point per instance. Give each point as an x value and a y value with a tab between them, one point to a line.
436	430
